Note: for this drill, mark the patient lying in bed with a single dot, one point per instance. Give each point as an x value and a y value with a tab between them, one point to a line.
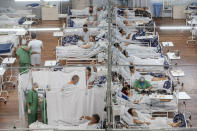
91	121
90	43
154	64
133	117
87	122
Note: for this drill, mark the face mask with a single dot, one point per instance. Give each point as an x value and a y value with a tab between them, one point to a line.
36	89
142	79
141	83
24	42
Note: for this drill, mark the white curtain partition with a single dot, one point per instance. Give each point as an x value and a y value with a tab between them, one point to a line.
65	108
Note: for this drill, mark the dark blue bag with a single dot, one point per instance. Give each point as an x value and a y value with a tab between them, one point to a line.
32	5
167	85
180	117
21	20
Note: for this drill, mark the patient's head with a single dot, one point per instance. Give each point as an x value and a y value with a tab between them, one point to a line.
35	86
91	9
88	71
122	32
92	38
132	68
132	112
114	76
75	79
85	27
99	9
126	90
118	46
33	35
95	118
125	53
125	22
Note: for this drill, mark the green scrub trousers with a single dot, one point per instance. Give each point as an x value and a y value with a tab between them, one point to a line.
43	107
32	99
24	59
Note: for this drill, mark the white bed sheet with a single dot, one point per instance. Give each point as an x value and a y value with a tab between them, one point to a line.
9	39
8	21
78	31
77	52
159	122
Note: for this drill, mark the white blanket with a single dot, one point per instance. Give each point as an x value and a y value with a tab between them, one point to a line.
78	31
45	127
77	52
79	22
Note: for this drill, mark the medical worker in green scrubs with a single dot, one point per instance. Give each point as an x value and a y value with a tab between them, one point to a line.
142	84
32	104
24	57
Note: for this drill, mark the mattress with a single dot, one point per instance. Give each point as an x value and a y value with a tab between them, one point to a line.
11	38
5	48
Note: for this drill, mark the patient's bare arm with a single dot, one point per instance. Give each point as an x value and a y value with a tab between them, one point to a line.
158	79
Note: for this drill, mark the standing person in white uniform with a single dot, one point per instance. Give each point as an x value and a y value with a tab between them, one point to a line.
90	77
85	34
36	46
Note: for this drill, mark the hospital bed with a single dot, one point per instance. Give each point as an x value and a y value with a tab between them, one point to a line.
141	60
80	21
13	17
166	85
134	12
158	123
9	38
6	21
8	43
77	18
149	105
76	22
82	12
164	104
119	110
75	53
72	35
139	36
11	12
2	71
143	21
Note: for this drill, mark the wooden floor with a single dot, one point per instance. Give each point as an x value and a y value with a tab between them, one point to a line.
9	112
